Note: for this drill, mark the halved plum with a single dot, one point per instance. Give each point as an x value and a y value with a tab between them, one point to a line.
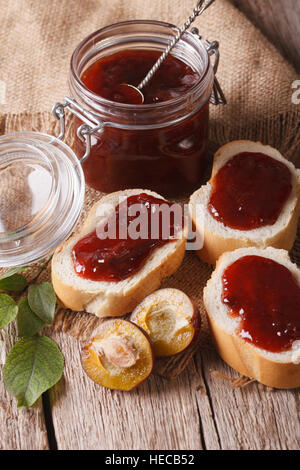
171	320
119	355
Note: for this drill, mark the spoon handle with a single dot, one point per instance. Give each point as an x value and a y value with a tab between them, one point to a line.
198	10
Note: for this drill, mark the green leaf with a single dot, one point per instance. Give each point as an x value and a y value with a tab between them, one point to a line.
8	310
10	272
14	283
28	322
32	366
42	300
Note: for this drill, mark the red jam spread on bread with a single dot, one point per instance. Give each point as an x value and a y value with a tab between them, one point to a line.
174	77
266	297
249	191
167	151
137	229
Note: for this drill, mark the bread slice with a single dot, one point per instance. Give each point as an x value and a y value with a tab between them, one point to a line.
279	370
112	298
218	238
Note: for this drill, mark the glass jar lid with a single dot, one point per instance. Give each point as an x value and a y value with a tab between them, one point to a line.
41	196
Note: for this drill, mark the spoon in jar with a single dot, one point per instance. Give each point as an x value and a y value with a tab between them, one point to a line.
134	95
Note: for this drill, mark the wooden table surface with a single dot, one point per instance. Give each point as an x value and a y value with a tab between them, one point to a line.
197	410
279	20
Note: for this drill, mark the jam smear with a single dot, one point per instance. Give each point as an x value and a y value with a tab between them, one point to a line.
172	79
170	160
266	297
249	191
120	254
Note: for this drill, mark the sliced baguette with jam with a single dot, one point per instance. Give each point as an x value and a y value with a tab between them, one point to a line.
274	369
219	238
112	298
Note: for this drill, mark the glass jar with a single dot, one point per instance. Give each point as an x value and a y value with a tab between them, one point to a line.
161	146
41	196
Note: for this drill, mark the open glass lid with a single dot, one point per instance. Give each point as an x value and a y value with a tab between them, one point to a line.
41	196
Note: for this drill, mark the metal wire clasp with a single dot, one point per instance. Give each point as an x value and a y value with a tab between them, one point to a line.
84	132
217	96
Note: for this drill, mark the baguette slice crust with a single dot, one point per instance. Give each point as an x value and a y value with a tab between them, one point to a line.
278	370
112	298
217	237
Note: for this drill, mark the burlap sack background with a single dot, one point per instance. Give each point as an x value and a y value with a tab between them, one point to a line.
37	38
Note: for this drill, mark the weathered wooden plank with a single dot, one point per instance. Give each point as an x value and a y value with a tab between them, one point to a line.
197	409
253	417
160	414
209	431
279	20
24	429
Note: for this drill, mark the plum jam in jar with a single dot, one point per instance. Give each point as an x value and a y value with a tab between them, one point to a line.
161	144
